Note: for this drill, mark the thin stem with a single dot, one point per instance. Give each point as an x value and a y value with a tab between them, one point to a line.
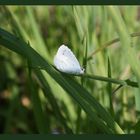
112	80
136	34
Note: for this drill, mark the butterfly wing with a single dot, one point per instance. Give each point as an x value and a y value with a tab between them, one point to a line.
65	61
65	51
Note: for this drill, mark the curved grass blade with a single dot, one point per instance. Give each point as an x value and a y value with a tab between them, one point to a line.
80	94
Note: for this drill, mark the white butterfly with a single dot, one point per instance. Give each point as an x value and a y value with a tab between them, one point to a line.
65	61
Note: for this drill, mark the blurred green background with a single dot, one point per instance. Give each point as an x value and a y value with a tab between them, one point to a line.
29	106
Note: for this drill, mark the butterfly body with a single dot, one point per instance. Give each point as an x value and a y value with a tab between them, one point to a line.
65	61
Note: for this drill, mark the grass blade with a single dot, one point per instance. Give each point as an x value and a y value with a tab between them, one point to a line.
109	87
80	94
48	94
37	108
126	45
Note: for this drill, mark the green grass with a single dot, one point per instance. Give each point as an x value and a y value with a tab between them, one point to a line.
46	100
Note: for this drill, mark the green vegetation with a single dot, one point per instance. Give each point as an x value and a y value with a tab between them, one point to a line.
37	98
